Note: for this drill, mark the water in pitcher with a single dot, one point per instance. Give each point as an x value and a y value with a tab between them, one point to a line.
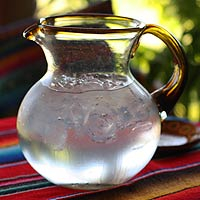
97	138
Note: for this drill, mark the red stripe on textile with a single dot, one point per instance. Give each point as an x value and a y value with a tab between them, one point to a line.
7	140
8	132
20	179
19	59
51	192
7	123
187	194
169	164
15	169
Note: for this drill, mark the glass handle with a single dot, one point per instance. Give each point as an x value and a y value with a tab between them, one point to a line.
167	96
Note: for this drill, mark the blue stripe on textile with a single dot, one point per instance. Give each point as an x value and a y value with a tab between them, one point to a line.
11	154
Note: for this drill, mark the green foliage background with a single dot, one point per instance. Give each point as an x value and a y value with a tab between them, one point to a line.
187	14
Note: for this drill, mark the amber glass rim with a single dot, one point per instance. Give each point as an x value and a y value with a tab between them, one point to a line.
134	25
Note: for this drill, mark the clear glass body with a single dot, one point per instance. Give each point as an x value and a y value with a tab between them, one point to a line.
88	124
88	140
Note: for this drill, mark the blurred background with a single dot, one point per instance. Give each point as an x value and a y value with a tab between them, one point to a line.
22	62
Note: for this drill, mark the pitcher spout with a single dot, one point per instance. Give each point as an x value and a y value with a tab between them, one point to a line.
31	32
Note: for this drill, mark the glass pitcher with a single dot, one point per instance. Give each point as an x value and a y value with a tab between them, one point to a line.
88	123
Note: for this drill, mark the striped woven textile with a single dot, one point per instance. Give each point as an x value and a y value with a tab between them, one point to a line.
22	63
164	178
